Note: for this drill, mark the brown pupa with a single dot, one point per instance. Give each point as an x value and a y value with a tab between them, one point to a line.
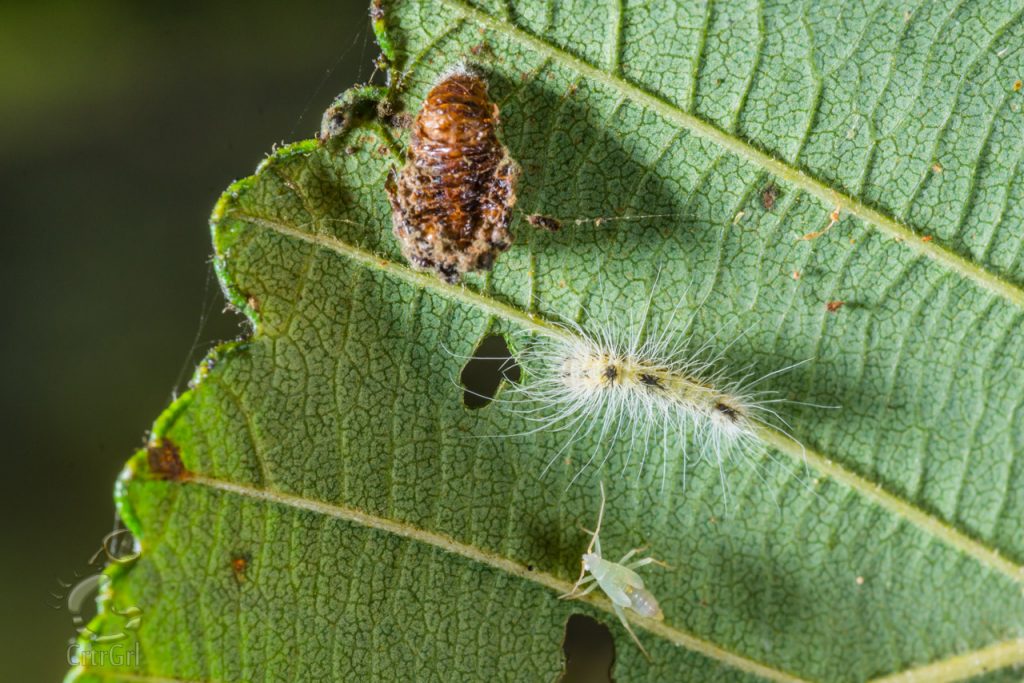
452	201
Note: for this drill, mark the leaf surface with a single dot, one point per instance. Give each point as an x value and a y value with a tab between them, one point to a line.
336	515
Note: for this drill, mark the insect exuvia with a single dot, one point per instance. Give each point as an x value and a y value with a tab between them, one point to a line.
618	580
625	391
452	201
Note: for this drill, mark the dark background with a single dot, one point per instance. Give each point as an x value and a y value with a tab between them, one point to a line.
120	124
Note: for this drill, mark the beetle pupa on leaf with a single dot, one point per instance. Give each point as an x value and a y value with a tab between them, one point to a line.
452	200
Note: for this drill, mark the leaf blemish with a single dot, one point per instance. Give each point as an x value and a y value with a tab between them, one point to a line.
164	460
239	565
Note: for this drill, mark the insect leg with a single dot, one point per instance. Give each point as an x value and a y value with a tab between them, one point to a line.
646	561
572	593
631	553
622	617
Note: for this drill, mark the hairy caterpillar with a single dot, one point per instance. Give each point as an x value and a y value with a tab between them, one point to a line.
650	393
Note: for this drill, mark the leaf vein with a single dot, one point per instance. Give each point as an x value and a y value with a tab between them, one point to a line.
358	517
871	490
887	225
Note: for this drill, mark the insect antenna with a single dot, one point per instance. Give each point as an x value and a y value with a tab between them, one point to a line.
600	518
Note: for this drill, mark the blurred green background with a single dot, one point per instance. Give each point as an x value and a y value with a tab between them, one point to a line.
120	124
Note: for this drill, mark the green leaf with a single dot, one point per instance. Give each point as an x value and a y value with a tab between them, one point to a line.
320	505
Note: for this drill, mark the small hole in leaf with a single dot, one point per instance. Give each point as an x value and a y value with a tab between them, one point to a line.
589	651
491	363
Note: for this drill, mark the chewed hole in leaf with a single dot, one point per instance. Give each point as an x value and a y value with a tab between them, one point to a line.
491	363
589	650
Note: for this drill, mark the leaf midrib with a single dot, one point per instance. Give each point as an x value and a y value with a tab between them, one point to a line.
919	242
662	630
872	491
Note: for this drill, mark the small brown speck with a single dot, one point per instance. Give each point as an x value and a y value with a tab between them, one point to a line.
937	167
833	218
253	303
382	150
1017	85
927	238
239	565
795	275
350	150
545	222
769	195
403	120
833	306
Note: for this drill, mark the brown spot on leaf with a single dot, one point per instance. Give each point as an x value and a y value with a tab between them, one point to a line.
402	120
239	565
545	222
769	195
164	460
481	48
833	306
833	218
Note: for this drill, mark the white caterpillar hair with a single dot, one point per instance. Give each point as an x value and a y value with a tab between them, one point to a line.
644	392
